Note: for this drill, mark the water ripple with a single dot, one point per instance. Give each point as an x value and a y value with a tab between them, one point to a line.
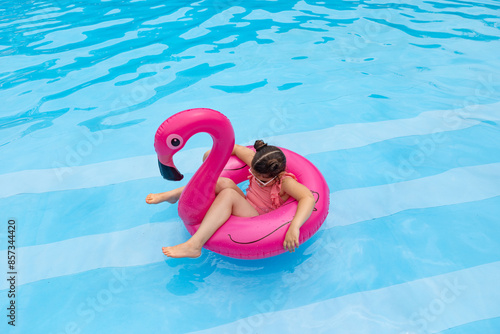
392	100
128	56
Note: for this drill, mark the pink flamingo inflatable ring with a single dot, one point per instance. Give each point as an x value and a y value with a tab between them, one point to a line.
242	238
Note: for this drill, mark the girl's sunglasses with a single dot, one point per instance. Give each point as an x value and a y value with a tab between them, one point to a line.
261	183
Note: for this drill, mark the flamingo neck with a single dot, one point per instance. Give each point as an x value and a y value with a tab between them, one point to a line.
212	167
199	193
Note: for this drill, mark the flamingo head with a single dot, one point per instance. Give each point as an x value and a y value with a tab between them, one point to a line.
167	168
169	139
173	133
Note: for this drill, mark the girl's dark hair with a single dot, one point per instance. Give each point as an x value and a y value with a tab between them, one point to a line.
268	160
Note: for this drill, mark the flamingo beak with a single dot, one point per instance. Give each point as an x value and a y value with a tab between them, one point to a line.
168	170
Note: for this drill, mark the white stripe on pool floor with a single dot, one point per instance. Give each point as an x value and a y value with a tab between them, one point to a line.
427	305
459	185
343	136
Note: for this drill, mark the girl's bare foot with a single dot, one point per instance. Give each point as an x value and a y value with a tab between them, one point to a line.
161	197
185	249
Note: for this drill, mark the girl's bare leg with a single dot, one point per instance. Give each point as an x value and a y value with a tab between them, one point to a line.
171	196
226	183
228	202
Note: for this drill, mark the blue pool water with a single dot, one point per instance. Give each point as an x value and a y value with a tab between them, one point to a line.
397	103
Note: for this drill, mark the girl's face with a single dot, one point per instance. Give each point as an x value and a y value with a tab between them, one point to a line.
262	180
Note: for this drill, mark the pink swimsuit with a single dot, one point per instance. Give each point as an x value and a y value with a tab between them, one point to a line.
265	199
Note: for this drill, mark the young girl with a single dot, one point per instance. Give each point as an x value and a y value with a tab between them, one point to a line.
270	186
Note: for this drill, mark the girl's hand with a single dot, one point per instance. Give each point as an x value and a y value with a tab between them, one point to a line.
291	239
305	206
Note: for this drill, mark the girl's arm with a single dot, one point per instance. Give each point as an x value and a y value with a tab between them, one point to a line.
305	207
244	154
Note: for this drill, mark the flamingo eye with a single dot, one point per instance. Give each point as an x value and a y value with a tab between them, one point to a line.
174	141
